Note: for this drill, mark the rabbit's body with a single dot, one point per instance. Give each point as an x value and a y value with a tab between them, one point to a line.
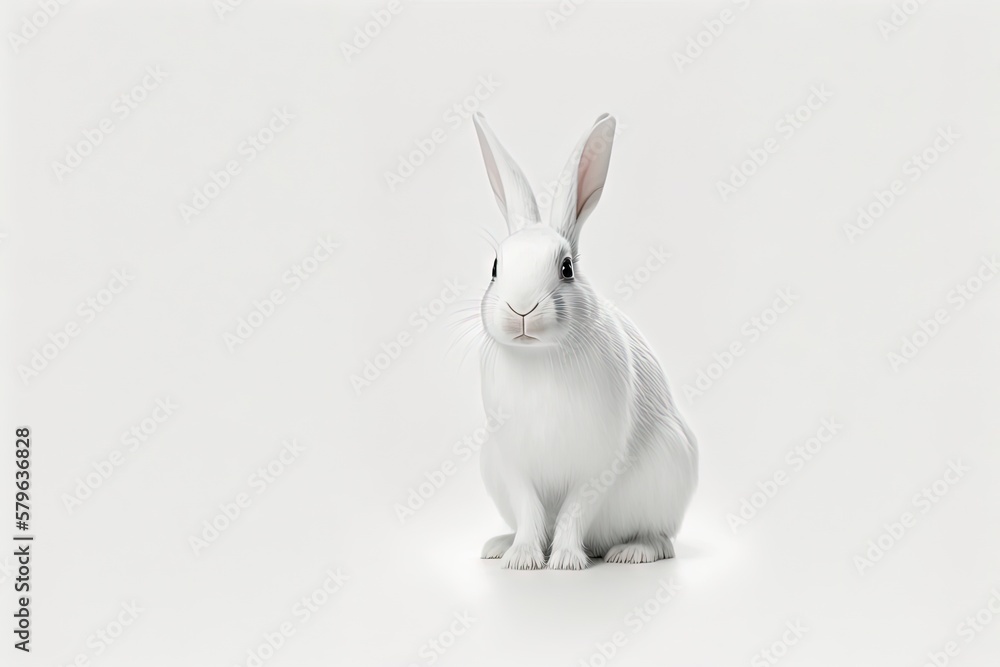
593	457
614	436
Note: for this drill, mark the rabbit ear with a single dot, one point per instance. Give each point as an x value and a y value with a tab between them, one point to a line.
582	179
512	190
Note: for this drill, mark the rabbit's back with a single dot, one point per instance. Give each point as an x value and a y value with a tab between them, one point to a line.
652	493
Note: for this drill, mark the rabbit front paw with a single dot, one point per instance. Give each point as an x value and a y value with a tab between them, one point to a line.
568	559
523	557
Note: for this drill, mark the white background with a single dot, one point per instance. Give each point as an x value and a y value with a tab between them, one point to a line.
682	131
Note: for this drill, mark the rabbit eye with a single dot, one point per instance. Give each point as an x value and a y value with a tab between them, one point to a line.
494	269
567	269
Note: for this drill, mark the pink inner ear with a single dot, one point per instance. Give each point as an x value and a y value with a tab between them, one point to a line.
582	181
593	168
584	188
589	202
591	174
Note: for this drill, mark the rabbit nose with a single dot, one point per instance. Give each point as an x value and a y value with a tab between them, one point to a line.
523	314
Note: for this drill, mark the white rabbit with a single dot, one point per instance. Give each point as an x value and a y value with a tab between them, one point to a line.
594	458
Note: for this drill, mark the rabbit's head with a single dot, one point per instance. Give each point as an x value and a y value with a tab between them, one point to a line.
537	296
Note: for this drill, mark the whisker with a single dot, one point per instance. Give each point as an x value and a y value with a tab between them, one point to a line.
487	235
